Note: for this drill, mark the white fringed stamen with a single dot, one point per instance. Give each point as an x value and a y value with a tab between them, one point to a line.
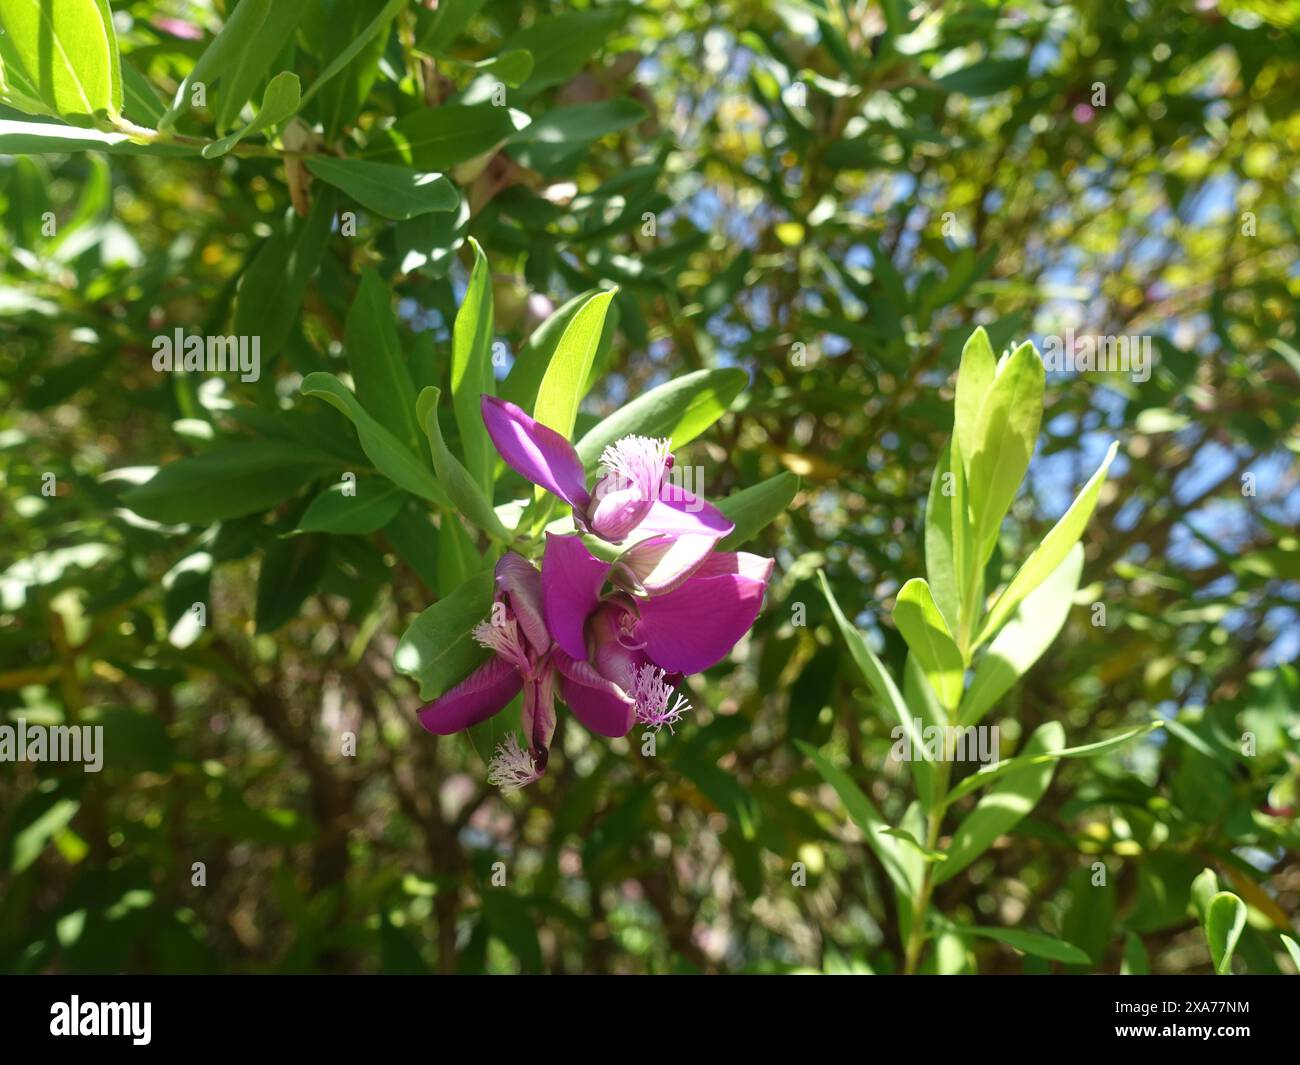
652	696
512	767
637	460
503	638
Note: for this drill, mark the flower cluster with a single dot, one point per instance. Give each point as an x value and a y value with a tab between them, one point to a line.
613	640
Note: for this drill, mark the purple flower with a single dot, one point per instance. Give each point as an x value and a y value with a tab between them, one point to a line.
637	650
521	644
613	659
631	495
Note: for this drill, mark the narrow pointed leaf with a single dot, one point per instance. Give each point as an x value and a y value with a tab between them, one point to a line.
927	634
940	563
989	774
396	192
1022	641
882	684
680	409
565	381
1004	806
754	508
1036	943
974	379
455	478
438	649
390	456
60	57
1005	436
373	504
471	371
374	352
279	102
376	25
1225	918
865	815
1049	554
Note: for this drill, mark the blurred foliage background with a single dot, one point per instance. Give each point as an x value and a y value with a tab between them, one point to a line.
830	195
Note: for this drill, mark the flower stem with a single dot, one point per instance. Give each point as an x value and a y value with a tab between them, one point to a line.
921	903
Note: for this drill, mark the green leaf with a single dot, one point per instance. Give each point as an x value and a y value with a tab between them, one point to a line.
392	191
437	138
874	827
1036	943
240	73
965	557
291	570
279	102
927	634
1204	888
29	841
986	77
928	853
139	102
391	457
565	381
560	44
1225	917
447	22
1004	806
1048	554
471	371
362	39
940	563
882	684
273	285
752	509
532	358
990	773
233	479
462	488
560	136
680	409
512	68
438	650
371	505
1293	949
59	57
330	29
1136	962
510	922
1005	435
979	366
46	138
374	352
458	558
415	539
1024	638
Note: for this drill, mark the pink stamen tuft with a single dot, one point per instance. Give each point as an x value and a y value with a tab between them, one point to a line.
653	697
503	638
512	766
639	461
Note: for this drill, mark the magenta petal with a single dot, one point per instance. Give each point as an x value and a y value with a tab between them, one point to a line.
535	451
679	511
740	563
696	626
617	511
612	657
661	563
600	704
483	693
522	584
571	582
